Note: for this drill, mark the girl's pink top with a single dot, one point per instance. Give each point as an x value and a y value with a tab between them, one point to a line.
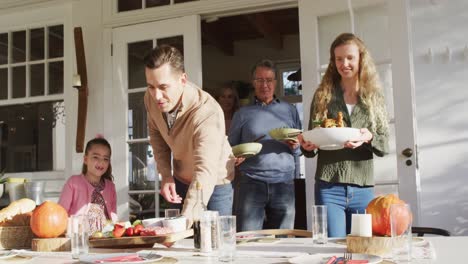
77	192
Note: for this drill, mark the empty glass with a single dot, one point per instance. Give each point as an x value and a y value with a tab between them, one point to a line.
227	238
400	223
319	224
79	228
171	213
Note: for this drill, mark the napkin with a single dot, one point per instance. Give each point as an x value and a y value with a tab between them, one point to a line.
125	258
335	260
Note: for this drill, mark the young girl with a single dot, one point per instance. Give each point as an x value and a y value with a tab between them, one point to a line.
92	193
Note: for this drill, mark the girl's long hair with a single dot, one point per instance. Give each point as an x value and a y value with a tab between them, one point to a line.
103	142
370	89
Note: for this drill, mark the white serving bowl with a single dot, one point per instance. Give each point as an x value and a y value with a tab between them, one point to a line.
177	224
331	138
152	222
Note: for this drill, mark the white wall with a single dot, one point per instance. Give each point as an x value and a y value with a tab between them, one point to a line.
441	105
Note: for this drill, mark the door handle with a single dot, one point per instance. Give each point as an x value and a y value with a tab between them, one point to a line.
407	152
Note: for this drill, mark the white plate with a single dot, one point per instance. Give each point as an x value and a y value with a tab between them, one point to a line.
92	259
8	254
323	258
252	237
331	138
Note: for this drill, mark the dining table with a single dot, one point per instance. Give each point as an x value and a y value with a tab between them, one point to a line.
427	250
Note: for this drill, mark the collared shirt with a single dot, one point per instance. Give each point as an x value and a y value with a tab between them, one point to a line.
196	147
276	162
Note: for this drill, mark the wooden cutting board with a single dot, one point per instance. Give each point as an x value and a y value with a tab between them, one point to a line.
51	244
139	241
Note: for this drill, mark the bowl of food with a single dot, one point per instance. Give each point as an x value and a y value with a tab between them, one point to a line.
331	138
246	150
284	133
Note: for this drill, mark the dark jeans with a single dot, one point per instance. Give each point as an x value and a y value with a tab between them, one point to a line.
342	200
220	200
264	205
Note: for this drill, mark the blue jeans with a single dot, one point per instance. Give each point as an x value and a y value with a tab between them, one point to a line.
264	205
220	200
342	200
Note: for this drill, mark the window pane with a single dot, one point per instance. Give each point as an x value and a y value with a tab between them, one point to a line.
176	41
56	41
290	87
137	127
136	68
127	5
27	136
19	46
56	77
153	3
4	48
4	83
142	169
37	79
37	44
19	82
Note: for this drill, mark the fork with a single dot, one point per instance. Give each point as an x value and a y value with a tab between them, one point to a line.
347	256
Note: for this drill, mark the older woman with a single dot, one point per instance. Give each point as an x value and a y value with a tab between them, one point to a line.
228	98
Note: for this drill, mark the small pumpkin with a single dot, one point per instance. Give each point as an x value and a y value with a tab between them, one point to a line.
49	220
379	208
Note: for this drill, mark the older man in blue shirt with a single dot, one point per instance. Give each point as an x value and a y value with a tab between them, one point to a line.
265	190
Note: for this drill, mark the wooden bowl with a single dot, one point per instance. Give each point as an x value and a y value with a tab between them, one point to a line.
376	245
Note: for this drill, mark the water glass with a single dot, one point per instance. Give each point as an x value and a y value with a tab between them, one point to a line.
171	213
400	223
79	231
319	224
227	238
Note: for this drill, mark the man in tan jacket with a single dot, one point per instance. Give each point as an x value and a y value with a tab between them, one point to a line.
186	127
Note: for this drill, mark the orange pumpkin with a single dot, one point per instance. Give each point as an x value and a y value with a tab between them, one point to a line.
49	220
379	208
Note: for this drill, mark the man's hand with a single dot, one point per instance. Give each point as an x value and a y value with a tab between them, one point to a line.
168	191
293	144
239	160
306	145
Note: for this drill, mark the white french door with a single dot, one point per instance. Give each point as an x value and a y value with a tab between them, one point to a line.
384	27
134	168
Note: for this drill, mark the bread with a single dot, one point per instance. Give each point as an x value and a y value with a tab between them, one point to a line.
18	213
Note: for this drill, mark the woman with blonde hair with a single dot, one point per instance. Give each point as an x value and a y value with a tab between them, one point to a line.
344	177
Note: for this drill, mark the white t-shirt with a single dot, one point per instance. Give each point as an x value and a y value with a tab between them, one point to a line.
350	108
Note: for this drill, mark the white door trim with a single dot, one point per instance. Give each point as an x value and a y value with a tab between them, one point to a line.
409	186
189	27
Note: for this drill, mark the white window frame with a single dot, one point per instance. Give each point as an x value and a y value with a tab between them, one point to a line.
44	15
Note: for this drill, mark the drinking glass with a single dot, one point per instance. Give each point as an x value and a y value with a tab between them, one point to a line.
171	213
79	228
227	238
319	224
401	220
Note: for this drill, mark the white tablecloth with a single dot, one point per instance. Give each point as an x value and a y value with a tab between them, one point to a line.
447	250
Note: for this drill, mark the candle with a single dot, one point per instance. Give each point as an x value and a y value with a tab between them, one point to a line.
361	225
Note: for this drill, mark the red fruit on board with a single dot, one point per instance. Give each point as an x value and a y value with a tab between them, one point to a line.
119	230
129	231
137	229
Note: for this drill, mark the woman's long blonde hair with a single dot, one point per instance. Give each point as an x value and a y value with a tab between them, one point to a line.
370	90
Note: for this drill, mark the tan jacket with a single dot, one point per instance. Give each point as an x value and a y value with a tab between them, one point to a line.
197	142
